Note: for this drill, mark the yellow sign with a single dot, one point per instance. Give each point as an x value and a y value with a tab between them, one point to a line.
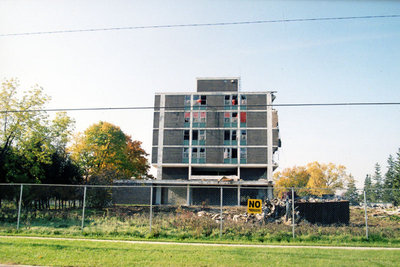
254	206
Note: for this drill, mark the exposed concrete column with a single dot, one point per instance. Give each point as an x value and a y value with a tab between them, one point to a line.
190	137
238	195
188	195
270	192
160	147
160	137
158	195
269	137
238	134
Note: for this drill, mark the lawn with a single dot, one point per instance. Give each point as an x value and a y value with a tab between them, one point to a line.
182	225
101	253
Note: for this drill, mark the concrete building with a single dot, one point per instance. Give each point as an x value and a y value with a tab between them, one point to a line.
218	132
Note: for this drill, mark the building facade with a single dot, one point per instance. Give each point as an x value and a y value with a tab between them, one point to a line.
218	132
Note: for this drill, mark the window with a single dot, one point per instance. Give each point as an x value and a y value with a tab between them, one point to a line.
199	118
243	135
243	155
227	135
234	100
202	135
227	100
234	153
230	137
227	153
187	100
199	100
231	101
230	119
243	117
186	152
230	155
186	135
202	153
198	137
202	117
187	118
198	155
185	155
243	100
233	135
195	135
203	100
234	116
227	117
194	153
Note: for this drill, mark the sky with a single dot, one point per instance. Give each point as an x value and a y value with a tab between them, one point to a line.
305	62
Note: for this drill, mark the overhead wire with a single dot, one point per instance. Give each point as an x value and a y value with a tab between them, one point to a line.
208	106
201	25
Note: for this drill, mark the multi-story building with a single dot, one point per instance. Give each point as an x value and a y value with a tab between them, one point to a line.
216	132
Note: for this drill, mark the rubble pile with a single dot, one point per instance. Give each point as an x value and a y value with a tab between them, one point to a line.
274	210
382	212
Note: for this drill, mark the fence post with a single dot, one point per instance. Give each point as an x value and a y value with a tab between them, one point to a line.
83	207
151	206
293	212
221	203
366	214
19	205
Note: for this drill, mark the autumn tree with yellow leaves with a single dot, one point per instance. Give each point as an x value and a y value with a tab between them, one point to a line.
315	178
104	148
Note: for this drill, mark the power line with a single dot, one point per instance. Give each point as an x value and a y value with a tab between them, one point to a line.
209	107
200	25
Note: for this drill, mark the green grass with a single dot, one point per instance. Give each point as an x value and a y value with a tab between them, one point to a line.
181	225
88	253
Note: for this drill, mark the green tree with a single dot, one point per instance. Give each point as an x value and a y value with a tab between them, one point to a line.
396	180
351	193
28	137
377	192
105	147
388	181
368	188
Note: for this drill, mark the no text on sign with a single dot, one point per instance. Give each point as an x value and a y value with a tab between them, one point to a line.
254	206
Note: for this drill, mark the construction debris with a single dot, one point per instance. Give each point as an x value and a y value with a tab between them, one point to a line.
274	210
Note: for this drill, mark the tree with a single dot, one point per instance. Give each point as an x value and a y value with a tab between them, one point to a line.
368	188
388	180
28	137
296	177
351	193
396	180
105	147
325	178
318	178
377	193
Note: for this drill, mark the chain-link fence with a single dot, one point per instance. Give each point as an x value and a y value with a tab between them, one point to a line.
200	212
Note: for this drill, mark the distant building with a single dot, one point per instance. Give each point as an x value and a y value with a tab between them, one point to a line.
214	133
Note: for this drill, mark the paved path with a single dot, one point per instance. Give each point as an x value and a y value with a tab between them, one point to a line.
201	244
